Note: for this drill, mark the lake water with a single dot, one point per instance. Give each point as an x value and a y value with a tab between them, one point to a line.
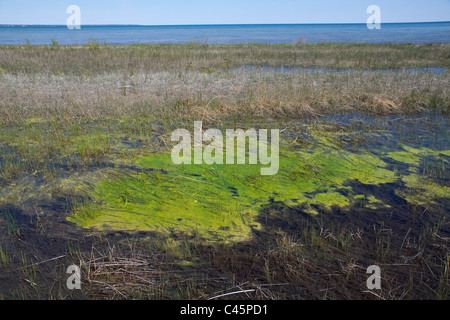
418	33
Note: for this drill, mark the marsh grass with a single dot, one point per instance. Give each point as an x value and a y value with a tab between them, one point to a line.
68	111
94	58
174	98
211	82
4	256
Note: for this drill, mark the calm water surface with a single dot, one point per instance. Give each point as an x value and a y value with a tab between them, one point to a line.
418	33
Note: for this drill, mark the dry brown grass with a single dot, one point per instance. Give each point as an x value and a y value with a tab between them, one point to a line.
212	82
217	96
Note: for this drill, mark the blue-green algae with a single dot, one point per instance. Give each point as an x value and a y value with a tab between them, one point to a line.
223	201
420	188
413	156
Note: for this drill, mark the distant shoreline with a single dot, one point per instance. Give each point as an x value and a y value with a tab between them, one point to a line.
209	25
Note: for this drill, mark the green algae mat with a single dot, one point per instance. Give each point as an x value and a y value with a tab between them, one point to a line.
222	201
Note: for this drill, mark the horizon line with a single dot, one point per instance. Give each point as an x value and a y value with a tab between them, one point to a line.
210	24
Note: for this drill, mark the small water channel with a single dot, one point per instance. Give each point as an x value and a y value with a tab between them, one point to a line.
290	69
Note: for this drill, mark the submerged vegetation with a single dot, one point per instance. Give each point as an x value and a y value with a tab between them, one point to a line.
222	201
86	176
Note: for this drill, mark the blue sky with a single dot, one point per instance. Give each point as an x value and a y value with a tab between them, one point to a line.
176	12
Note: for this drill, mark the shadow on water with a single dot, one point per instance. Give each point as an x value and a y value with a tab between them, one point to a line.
13	218
326	255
